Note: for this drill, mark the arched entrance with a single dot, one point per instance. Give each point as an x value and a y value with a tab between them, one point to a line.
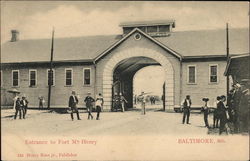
138	54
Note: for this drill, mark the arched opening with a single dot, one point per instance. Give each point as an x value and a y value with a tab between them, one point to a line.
128	61
123	78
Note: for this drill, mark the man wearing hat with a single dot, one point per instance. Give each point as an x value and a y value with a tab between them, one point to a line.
216	117
89	104
73	101
206	111
24	103
222	114
18	108
186	109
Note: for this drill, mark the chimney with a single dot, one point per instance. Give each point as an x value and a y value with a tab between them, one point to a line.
14	35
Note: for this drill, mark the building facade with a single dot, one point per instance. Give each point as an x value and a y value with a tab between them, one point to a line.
193	62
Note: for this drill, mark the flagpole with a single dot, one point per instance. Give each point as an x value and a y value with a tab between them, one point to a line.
50	70
227	48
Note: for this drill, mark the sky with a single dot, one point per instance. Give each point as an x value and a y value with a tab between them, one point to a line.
149	79
35	19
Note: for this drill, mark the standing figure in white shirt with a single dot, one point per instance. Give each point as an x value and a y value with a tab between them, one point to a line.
99	103
186	109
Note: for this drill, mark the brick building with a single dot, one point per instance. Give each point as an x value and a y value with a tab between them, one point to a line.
193	61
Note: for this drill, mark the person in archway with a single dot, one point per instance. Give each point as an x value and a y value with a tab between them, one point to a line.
99	103
123	101
143	102
89	104
186	109
116	102
73	101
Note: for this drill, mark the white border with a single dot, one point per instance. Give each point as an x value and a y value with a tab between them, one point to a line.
72	82
84	76
12	78
217	73
54	78
31	70
195	72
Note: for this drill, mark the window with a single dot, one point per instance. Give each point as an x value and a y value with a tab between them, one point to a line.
68	76
191	74
164	28
32	78
151	29
86	76
15	78
52	75
213	73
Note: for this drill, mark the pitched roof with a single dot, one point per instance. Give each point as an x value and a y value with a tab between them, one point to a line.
75	48
207	42
185	43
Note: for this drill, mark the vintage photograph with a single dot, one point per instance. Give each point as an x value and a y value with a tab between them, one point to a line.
125	80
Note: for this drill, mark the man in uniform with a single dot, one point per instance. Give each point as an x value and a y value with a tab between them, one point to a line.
24	103
73	101
186	109
89	104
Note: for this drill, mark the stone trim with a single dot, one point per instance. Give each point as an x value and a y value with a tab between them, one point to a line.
137	52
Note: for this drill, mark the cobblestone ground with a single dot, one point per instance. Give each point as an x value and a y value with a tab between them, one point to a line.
111	123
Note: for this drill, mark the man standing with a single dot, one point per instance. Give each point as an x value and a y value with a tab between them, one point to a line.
216	117
73	101
123	101
206	111
222	114
89	104
143	102
18	108
99	103
24	103
186	109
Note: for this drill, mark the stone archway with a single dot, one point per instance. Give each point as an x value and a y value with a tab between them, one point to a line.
137	52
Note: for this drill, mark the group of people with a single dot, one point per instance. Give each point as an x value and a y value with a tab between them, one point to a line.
20	106
233	110
119	102
89	101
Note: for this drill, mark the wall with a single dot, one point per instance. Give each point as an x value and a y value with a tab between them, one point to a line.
60	93
203	88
